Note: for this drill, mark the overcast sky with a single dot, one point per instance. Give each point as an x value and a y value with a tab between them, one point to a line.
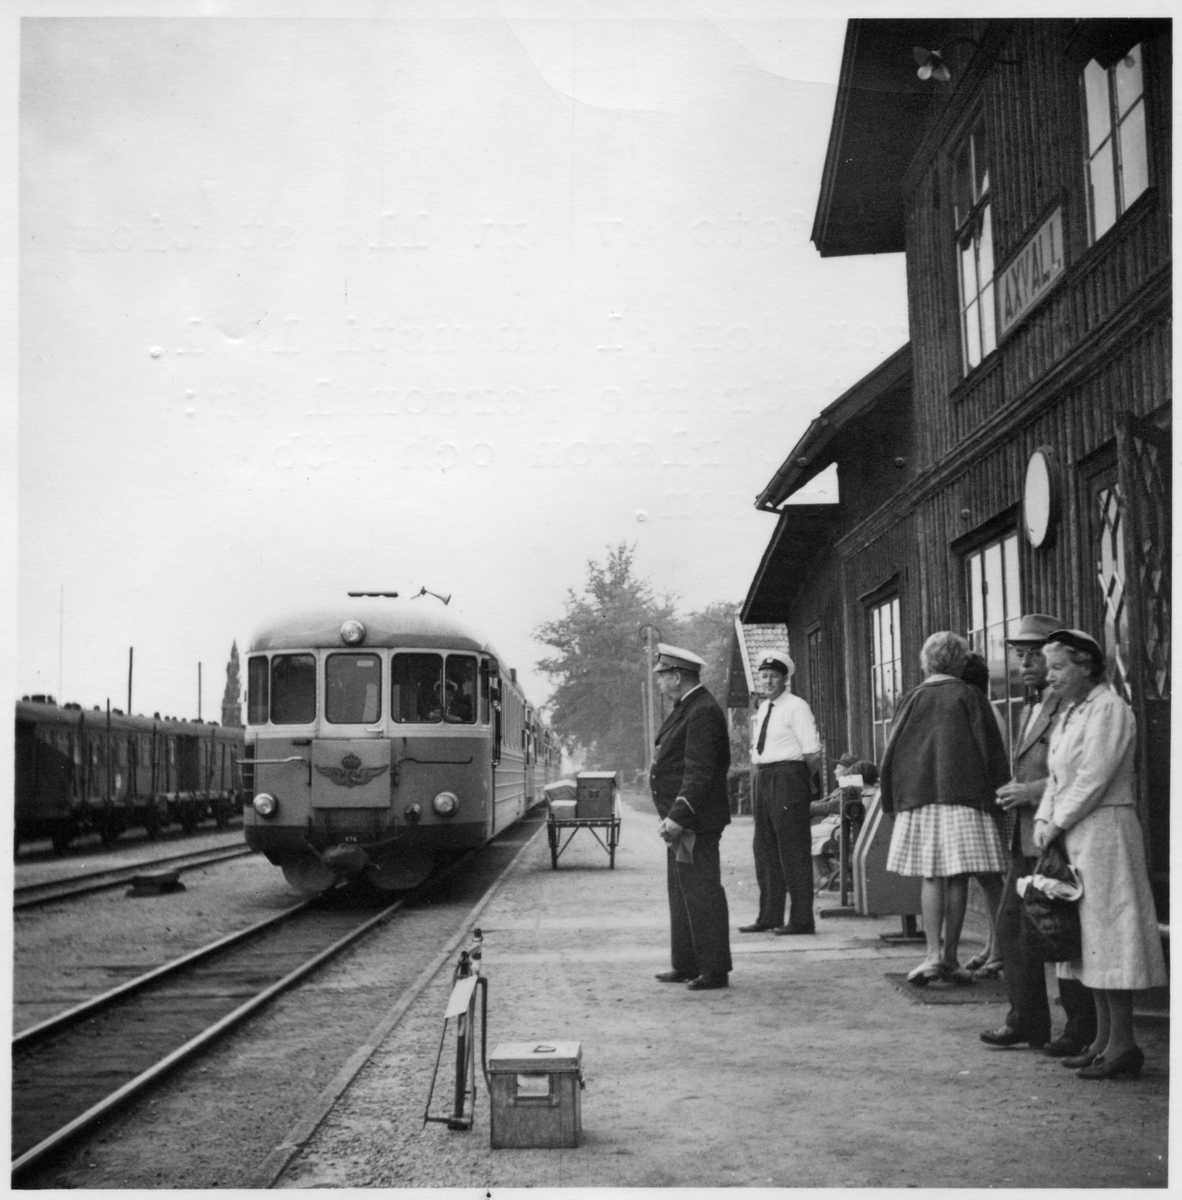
311	305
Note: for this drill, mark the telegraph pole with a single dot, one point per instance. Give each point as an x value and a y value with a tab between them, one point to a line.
130	662
198	691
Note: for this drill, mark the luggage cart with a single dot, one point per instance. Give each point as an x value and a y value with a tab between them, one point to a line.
594	805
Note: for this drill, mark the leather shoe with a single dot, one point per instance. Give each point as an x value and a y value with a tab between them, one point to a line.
1063	1048
1129	1063
1084	1058
705	983
755	927
1005	1036
674	977
781	930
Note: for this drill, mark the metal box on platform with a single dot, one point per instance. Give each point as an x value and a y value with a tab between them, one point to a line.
535	1089
596	795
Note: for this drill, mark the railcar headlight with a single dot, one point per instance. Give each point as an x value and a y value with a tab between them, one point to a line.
353	633
265	804
446	804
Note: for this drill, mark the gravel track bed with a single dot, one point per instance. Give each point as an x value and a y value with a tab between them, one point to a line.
212	1123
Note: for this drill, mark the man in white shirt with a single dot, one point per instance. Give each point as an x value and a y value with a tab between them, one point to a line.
786	752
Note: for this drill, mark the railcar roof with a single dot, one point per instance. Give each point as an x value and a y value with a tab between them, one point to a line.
403	623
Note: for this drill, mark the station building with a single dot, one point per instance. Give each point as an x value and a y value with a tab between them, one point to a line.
1015	455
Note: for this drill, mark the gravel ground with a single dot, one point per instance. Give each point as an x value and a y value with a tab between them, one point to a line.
60	960
810	1071
213	1122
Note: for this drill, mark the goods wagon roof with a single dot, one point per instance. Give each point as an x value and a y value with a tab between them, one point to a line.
51	714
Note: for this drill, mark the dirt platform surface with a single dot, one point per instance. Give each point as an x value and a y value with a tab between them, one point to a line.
810	1070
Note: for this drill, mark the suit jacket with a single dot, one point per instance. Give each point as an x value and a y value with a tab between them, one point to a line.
1030	762
693	752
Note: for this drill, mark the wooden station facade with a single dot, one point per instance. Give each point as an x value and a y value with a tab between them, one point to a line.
1015	455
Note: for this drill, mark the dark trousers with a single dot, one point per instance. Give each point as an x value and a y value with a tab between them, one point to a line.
698	918
1025	976
783	843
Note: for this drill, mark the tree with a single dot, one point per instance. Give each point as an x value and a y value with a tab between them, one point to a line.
600	662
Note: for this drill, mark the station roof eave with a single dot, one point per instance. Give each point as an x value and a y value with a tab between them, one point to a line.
812	453
879	118
803	532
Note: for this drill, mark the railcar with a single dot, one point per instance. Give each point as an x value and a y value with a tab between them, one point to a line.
101	771
381	734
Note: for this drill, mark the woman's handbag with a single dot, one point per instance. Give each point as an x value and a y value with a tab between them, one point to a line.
1050	907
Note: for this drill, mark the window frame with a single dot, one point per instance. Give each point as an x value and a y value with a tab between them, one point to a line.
1112	139
971	231
891	602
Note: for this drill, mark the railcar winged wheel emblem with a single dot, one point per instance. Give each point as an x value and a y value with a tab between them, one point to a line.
351	773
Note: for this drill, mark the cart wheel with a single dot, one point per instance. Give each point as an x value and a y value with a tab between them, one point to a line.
614	841
552	834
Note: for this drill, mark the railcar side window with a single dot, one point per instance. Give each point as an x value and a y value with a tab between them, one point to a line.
461	689
484	690
257	691
416	688
293	689
352	688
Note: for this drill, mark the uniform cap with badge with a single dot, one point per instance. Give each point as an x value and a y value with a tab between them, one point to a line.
774	660
673	658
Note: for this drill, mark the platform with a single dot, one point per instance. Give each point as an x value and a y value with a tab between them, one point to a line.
810	1070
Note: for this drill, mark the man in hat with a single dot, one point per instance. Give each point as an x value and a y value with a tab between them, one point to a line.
688	781
786	753
1029	1018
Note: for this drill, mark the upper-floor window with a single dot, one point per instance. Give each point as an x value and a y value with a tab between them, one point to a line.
1117	158
995	608
974	247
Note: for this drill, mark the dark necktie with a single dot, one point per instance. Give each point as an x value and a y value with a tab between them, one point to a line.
763	730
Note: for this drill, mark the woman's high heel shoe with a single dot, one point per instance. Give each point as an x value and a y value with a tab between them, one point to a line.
924	974
1079	1060
1129	1063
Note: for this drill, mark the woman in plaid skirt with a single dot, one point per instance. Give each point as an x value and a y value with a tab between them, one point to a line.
943	765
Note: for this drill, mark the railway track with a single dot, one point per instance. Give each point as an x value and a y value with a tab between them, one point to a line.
32	894
71	1071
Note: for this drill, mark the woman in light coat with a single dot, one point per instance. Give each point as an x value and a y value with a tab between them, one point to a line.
1089	799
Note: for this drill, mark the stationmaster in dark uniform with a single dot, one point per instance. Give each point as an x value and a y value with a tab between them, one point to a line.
688	781
786	752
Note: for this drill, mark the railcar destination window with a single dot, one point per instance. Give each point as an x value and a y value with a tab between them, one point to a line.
352	689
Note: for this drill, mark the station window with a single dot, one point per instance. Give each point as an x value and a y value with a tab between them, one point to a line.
352	689
974	247
293	689
995	609
1116	163
886	670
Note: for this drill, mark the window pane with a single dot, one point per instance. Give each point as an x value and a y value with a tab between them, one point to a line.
293	689
972	336
994	588
256	691
1134	161
416	688
976	603
461	689
352	688
1098	109
1128	81
1013	603
980	163
1102	191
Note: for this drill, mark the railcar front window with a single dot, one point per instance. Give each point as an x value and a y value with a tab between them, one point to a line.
352	689
461	689
293	689
416	688
257	691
